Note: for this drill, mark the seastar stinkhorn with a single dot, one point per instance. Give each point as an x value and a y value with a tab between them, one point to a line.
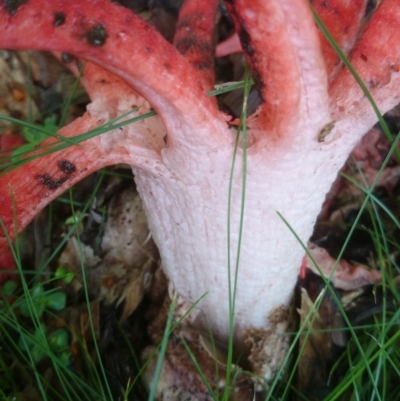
312	115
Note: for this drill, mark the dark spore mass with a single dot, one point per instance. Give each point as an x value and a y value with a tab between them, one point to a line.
59	18
67	58
48	182
66	167
97	35
11	6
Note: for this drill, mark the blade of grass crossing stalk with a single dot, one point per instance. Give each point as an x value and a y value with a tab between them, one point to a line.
241	132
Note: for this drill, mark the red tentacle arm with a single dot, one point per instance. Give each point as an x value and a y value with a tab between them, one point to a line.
282	47
376	58
106	34
26	190
194	37
55	174
343	20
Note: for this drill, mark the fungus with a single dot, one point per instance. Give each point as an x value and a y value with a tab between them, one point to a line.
312	115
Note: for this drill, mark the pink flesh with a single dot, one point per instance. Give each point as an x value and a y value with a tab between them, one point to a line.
184	184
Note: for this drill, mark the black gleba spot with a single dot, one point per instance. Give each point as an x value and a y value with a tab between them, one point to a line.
97	35
66	167
11	6
59	18
48	182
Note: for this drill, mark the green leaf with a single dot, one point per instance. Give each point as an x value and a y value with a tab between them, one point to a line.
21	150
37	353
30	344
34	137
37	291
39	306
64	357
74	219
58	340
56	300
38	302
64	274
